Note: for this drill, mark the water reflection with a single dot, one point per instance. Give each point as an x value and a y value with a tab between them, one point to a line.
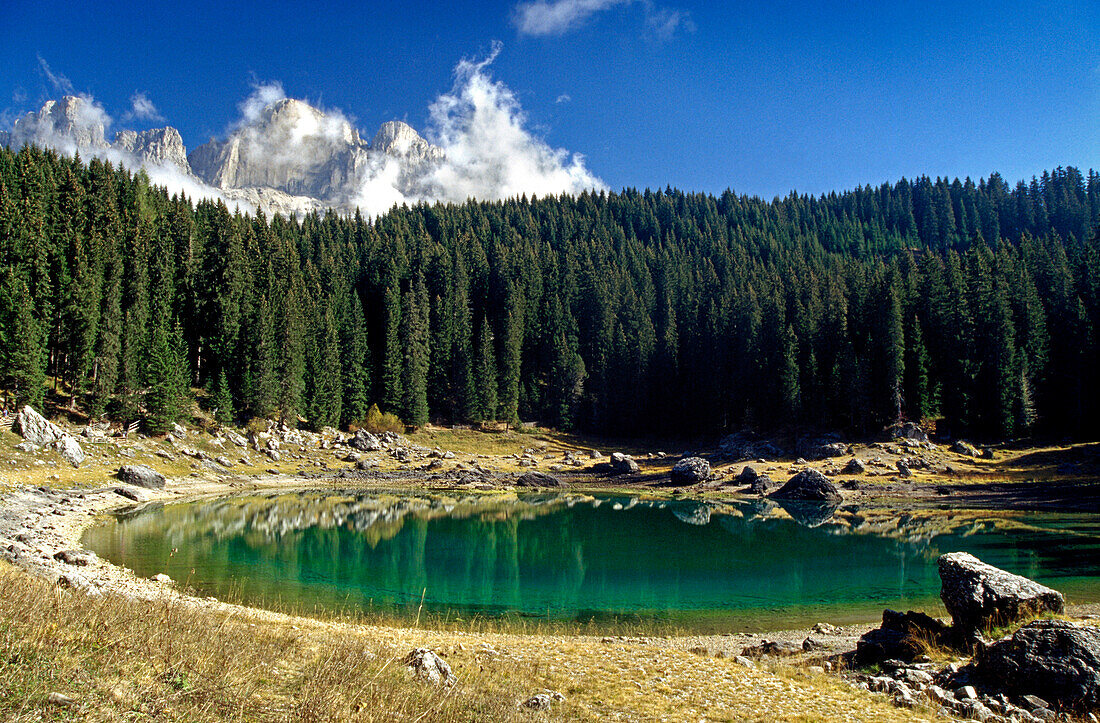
568	555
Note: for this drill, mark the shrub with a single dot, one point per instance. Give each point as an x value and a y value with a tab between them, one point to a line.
378	421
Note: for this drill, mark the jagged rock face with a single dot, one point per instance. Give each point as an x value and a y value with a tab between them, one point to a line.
296	149
288	158
398	139
158	145
70	119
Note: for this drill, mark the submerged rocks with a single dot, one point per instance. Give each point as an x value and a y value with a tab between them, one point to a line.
141	476
978	595
1054	659
539	479
429	667
690	470
808	485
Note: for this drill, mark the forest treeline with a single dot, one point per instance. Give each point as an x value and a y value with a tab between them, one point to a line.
977	304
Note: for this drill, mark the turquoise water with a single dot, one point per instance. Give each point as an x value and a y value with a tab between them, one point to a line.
743	566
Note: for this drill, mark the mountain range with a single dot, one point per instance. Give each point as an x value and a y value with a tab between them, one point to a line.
287	157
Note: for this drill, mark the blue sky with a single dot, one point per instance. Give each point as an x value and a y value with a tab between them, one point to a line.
761	97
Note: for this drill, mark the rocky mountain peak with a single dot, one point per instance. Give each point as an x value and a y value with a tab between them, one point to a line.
395	138
157	145
72	120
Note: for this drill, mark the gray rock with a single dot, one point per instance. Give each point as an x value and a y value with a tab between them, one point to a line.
761	485
909	431
809	485
129	493
224	461
965	448
690	470
1056	660
27	447
75	557
854	466
429	667
978	595
235	438
60	700
36	429
539	479
747	476
623	463
365	441
542	701
141	476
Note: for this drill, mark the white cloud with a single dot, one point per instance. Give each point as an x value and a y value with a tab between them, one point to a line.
60	83
563	98
141	108
556	17
489	152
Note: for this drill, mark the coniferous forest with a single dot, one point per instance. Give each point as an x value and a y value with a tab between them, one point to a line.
632	313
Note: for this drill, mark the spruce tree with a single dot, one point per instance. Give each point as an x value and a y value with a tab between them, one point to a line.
414	341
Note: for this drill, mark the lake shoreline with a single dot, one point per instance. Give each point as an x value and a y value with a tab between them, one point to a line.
38	525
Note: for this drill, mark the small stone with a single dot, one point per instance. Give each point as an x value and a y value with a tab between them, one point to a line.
162	579
60	699
967	692
743	661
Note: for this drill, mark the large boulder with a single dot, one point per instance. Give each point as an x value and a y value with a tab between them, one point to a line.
808	485
427	666
365	441
978	595
1058	661
690	470
623	463
36	429
141	476
902	636
910	431
70	450
539	479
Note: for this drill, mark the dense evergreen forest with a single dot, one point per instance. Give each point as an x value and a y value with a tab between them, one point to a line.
627	313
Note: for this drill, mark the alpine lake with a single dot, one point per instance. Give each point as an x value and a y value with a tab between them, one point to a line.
602	560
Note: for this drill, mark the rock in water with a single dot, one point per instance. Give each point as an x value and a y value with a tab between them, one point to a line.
1054	659
35	428
428	666
690	470
692	514
809	485
978	595
141	476
539	479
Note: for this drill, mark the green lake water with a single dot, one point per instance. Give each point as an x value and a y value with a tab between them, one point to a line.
577	558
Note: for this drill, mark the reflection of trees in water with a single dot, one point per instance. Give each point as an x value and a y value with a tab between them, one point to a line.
536	552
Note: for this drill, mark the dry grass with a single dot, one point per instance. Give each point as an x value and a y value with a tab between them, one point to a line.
126	659
123	659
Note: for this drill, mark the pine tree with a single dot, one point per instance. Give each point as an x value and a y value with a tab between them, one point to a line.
414	341
166	394
485	376
23	344
222	399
